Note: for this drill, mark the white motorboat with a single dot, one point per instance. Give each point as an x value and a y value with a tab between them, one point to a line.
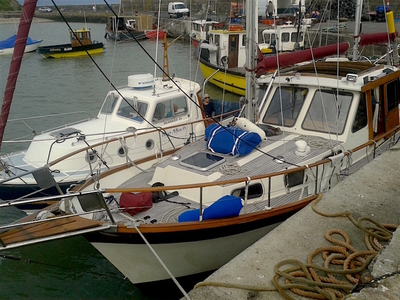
7	45
120	134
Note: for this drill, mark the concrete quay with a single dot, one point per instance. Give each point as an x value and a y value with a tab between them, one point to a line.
372	192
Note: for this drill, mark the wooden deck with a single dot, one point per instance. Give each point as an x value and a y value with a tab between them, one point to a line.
46	229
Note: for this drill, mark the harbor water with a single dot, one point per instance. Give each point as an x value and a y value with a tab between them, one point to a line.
72	268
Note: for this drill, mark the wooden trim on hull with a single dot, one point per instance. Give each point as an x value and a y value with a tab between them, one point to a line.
197	231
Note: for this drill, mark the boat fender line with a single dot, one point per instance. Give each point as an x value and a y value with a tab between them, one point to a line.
224	60
247	125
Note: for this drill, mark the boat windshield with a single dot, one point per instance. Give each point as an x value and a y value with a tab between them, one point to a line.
328	111
269	38
133	109
285	105
109	104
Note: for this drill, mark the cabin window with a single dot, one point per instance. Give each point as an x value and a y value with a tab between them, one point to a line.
233	44
217	40
273	39
109	104
328	111
285	105
267	38
170	108
159	112
294	37
361	119
175	107
392	95
181	105
244	40
132	109
294	179
285	37
255	191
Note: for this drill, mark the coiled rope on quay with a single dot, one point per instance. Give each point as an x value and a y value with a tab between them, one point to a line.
341	268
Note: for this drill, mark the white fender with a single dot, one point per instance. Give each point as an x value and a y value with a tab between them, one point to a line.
247	125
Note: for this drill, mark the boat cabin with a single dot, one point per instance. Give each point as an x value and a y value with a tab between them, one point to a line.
131	24
137	106
226	48
80	37
353	107
201	30
282	38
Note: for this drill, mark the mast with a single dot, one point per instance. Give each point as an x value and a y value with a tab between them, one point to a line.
251	55
357	29
28	10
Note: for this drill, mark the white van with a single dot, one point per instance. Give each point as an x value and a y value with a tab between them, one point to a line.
177	10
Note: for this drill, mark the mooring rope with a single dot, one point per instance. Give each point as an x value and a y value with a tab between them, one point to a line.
321	281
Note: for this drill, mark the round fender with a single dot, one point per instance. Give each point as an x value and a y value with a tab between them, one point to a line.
247	125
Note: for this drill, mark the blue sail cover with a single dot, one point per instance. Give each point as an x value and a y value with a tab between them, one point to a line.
231	140
9	43
225	207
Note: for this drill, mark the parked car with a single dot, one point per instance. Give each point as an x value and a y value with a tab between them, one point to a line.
45	9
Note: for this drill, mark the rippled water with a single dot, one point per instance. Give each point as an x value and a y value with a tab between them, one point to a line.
72	268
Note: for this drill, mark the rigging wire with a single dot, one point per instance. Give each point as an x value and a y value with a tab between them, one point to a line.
162	70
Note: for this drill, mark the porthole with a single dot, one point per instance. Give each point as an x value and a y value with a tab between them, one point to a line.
91	157
121	152
149	144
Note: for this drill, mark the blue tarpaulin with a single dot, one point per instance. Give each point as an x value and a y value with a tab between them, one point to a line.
9	43
231	140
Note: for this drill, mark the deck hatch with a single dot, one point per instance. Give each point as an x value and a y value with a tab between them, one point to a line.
65	132
202	161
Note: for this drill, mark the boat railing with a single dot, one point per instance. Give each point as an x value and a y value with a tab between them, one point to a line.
43	177
208	79
45	182
313	168
224	116
34	132
383	58
93	201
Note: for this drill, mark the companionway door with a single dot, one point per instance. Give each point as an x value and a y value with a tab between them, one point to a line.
233	51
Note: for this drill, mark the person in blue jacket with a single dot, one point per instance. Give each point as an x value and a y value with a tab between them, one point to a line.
208	106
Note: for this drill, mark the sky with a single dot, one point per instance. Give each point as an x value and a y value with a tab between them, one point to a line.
71	2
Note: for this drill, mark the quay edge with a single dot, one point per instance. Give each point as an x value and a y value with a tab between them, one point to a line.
371	192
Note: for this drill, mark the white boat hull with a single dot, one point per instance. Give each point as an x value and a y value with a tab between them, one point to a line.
28	48
138	263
